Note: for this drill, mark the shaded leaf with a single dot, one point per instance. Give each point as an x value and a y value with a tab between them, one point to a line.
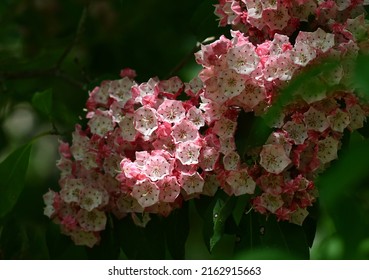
257	231
265	254
215	218
43	102
361	74
340	193
141	243
108	249
310	224
203	22
251	132
13	172
177	228
351	168
37	243
287	94
13	240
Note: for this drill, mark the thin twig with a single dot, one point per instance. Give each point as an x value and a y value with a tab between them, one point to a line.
56	70
188	57
77	35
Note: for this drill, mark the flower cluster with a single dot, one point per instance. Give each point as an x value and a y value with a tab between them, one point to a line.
147	147
261	19
240	74
140	153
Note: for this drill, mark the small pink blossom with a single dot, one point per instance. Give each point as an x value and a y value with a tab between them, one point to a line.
188	152
243	59
90	198
327	149
145	120
208	158
230	83
191	183
171	111
297	132
240	182
231	161
184	131
271	202
196	117
316	120
94	220
225	128
157	167
339	120
169	189
273	158
146	193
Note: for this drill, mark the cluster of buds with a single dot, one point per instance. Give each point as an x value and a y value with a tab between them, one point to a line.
148	147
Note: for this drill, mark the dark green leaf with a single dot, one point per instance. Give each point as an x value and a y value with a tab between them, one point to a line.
351	168
13	240
37	243
177	228
288	94
142	243
43	102
342	196
257	232
361	75
108	249
215	218
203	22
61	247
13	172
310	224
265	254
251	132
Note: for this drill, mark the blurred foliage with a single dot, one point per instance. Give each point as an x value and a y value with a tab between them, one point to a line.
52	52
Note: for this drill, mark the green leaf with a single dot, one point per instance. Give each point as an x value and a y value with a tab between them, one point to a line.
203	22
108	249
251	132
260	232
14	240
287	94
61	247
342	191
344	173
142	243
37	243
215	218
177	228
361	75
13	172
43	102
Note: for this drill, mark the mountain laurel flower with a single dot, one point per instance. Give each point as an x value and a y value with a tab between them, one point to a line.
243	59
273	158
315	120
188	152
191	183
146	193
230	83
171	111
327	149
184	131
94	220
240	182
146	120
